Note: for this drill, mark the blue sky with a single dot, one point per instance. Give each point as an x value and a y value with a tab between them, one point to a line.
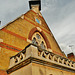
59	15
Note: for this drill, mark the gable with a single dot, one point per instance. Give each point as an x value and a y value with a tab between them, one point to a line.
21	25
32	16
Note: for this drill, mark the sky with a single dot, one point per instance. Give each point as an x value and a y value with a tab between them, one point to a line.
59	15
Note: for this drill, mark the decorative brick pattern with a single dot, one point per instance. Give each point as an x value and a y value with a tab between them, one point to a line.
4	45
14	34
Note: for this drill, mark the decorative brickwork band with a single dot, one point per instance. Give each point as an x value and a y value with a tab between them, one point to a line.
37	26
10	47
14	34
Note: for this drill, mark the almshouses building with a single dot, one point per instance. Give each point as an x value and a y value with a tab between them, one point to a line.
28	47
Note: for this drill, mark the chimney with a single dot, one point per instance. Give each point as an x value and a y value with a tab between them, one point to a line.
35	5
71	55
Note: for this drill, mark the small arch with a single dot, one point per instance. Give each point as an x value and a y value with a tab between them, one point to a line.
43	35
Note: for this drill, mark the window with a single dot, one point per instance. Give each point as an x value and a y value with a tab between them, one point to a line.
38	21
42	45
38	40
38	36
34	41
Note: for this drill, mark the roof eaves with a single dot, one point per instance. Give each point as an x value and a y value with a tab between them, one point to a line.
10	22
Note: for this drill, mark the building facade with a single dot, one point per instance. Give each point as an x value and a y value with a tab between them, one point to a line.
28	47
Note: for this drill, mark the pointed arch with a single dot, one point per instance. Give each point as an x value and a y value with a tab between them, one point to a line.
33	30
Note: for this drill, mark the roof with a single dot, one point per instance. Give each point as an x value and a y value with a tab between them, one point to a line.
10	22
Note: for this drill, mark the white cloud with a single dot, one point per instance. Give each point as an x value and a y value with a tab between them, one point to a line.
67	48
61	20
11	9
